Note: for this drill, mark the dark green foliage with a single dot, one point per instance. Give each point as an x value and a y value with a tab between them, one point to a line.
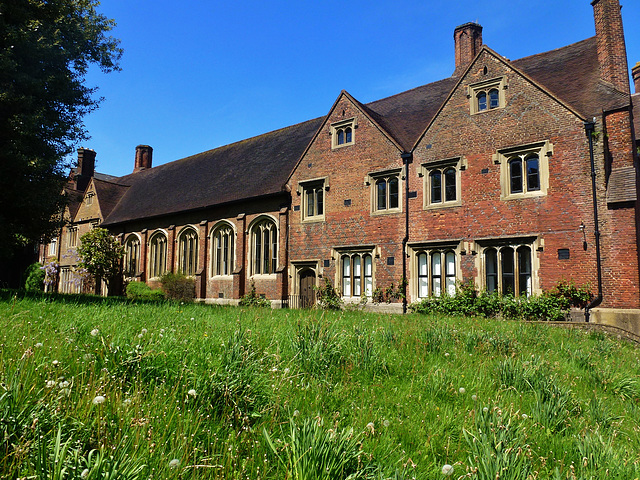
100	255
177	286
34	278
253	299
142	291
46	49
327	297
550	306
578	297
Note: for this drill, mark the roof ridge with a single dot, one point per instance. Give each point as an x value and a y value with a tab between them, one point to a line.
552	50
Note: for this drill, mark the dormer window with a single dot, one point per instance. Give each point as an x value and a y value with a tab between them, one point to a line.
342	133
487	95
89	200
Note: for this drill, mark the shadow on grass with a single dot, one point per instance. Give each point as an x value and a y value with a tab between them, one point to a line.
74	298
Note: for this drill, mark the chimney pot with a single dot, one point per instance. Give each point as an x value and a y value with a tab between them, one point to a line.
144	154
467	39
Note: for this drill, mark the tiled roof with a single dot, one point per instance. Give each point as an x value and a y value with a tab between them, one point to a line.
260	165
108	194
74	199
572	74
250	168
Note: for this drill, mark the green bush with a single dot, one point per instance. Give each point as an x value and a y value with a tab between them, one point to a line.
34	278
253	299
177	286
142	291
328	298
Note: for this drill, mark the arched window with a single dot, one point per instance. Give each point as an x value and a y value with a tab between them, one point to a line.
264	236
515	175
450	185
132	256
527	181
494	98
222	250
482	101
508	270
357	275
387	193
423	275
348	135
436	186
157	255
436	273
341	137
188	251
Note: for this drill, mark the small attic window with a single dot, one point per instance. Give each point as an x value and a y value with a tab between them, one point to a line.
488	95
343	133
89	199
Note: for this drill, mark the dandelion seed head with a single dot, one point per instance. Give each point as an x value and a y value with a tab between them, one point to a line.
296	413
98	399
474	397
525	416
85	473
386	423
55	363
38	345
51	383
191	392
446	354
485	409
462	391
447	470
175	463
371	428
95	332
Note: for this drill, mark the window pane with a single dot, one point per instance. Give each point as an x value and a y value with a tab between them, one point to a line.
274	250
348	135
494	99
482	101
368	276
524	270
533	174
340	137
450	184
381	188
491	268
508	279
515	173
436	186
356	275
450	269
319	201
346	276
310	203
436	274
393	193
258	251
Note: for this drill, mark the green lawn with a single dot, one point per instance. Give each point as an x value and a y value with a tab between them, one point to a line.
192	391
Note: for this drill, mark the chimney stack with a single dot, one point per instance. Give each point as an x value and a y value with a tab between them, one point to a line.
635	73
144	154
85	169
612	53
467	39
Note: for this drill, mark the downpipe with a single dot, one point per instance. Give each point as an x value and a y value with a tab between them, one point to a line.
407	157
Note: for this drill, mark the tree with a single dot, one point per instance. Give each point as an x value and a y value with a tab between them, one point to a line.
101	255
46	48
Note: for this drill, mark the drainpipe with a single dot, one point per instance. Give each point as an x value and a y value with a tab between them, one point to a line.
589	128
407	158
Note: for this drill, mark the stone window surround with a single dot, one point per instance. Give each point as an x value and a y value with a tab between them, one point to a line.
301	190
150	243
370	181
425	169
457	246
132	255
251	247
219	226
336	255
499	83
544	150
341	125
180	253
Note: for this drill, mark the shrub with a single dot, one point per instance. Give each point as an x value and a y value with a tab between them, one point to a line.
142	291
328	298
578	297
253	299
34	278
177	286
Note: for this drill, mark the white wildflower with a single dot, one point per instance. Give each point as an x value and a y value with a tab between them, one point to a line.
296	413
51	383
370	427
474	397
386	423
191	393
38	345
462	390
485	409
95	332
525	416
447	470
175	463
85	473
63	384
98	399
55	363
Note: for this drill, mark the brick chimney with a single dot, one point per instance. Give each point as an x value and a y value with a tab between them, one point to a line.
468	40
86	168
635	73
612	53
144	154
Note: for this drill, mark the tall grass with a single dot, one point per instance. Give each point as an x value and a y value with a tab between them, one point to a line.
114	389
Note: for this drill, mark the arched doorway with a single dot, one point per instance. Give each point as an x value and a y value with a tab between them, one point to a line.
307	292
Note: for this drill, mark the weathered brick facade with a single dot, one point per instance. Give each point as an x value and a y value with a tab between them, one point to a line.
483	177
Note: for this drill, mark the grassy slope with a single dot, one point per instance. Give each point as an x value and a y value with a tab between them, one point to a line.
537	400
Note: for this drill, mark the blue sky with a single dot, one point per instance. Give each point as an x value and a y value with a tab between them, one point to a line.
200	74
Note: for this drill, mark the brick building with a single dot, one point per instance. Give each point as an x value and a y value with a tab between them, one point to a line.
485	176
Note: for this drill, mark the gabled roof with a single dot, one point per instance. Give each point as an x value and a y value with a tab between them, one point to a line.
260	166
74	199
251	168
108	195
